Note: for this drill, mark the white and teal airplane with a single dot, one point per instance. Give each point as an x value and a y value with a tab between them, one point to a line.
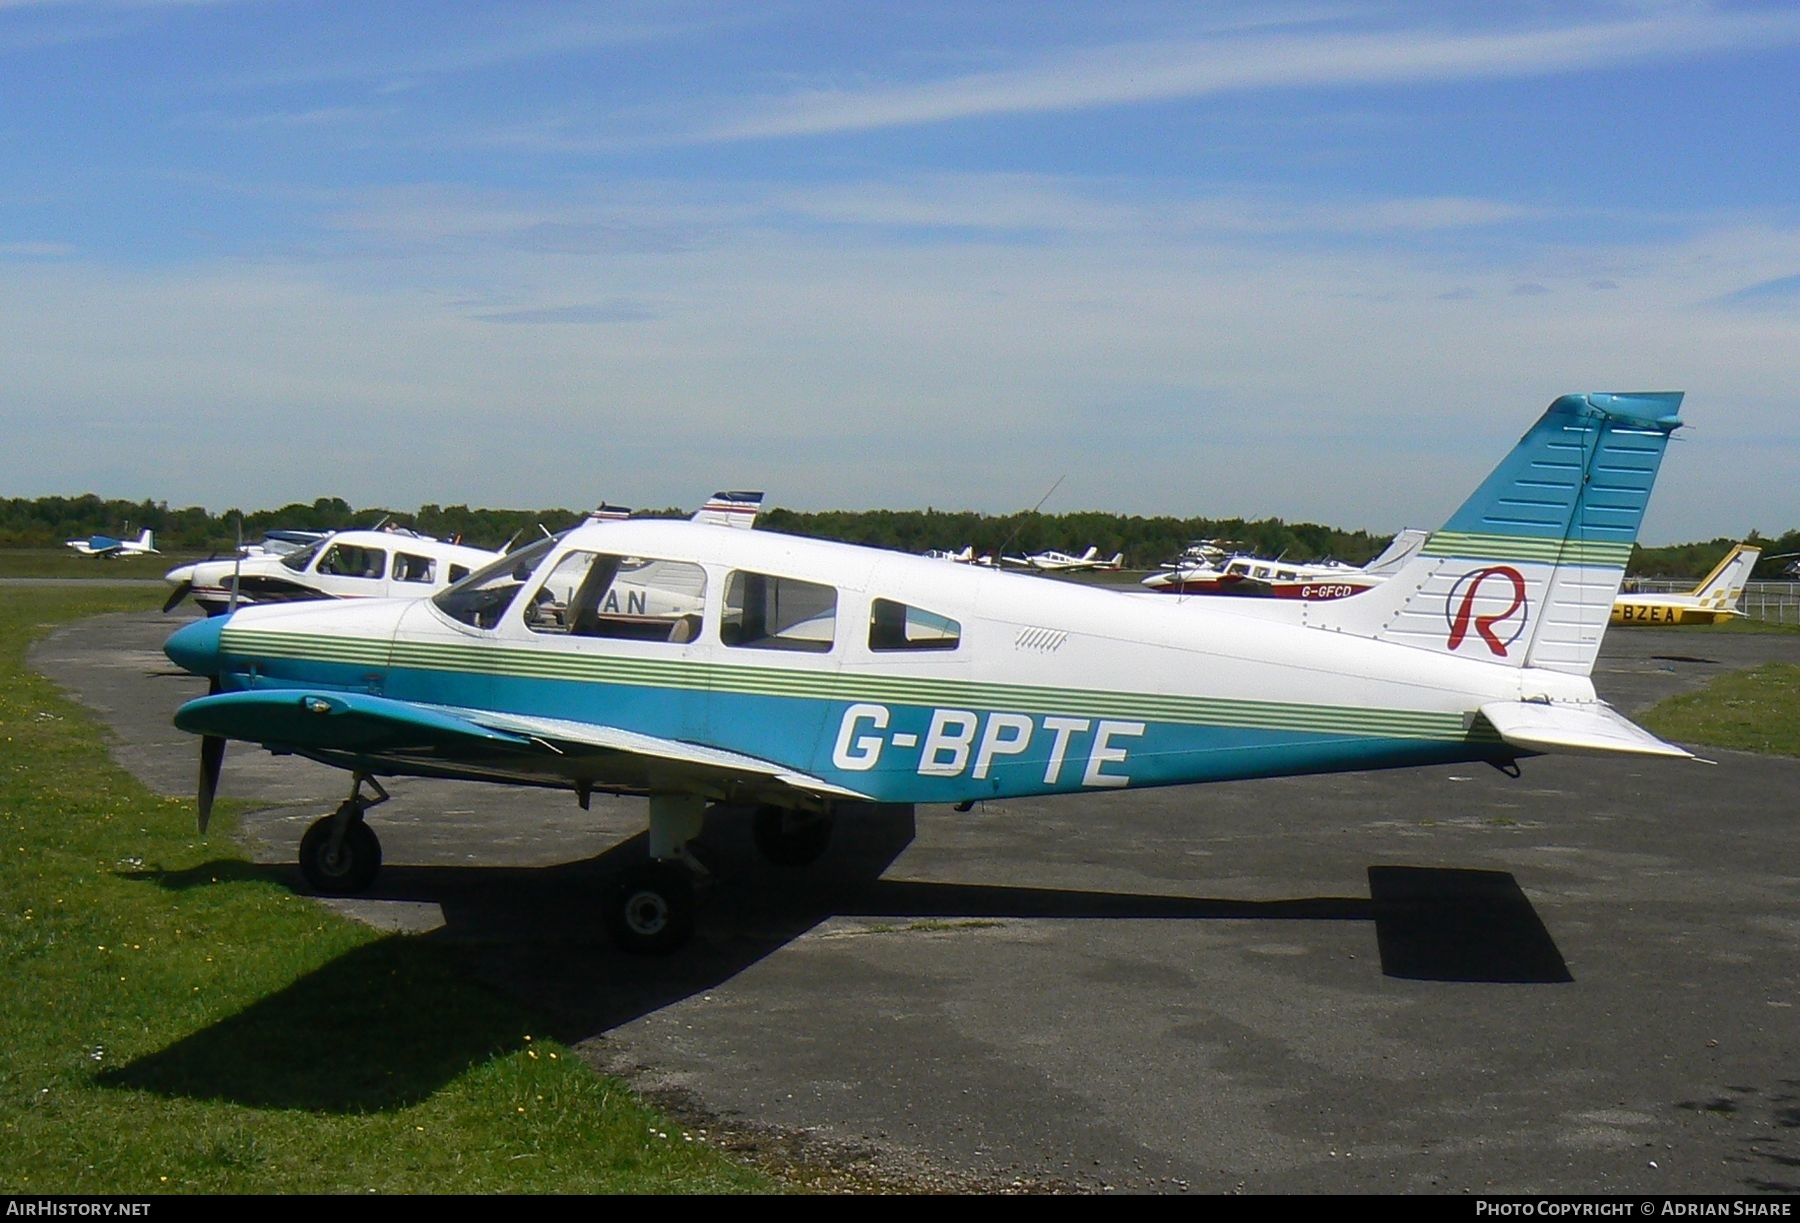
107	547
699	665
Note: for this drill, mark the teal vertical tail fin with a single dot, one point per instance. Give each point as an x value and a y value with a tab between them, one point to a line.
1525	573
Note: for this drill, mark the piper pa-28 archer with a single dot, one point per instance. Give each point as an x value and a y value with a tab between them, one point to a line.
800	678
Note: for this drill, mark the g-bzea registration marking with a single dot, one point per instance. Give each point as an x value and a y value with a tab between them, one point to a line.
959	741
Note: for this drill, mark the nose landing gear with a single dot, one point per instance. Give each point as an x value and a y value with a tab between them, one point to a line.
340	855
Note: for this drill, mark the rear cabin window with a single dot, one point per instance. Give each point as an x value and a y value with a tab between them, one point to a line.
631	598
897	626
410	568
763	612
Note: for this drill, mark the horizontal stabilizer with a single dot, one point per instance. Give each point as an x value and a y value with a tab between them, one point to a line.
1539	726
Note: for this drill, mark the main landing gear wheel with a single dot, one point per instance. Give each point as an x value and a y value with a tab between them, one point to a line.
790	838
651	911
348	868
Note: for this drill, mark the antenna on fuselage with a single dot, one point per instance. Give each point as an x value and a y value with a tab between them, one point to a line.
1001	550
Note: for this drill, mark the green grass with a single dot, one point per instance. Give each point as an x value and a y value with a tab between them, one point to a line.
1740	625
62	563
173	1021
1750	711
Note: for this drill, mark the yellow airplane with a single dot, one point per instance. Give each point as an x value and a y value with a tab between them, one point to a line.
1714	599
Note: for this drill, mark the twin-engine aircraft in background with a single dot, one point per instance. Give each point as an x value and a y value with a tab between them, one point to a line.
379	563
1714	599
107	547
1256	577
801	679
357	564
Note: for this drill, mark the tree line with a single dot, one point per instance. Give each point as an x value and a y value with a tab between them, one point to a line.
45	522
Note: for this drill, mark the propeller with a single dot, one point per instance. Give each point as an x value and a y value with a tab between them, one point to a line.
212	758
181	592
212	747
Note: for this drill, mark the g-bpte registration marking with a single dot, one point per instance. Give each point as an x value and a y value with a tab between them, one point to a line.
965	741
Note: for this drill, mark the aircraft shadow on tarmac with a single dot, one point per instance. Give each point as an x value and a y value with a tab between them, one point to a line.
330	1041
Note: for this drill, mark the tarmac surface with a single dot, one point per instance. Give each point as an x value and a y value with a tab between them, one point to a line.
1585	979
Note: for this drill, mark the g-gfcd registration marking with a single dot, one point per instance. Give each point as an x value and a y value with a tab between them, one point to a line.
959	741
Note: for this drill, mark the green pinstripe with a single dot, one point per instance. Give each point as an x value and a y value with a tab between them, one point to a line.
739	679
1477	546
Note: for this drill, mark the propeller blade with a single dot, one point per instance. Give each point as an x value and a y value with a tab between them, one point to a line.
212	758
237	567
180	593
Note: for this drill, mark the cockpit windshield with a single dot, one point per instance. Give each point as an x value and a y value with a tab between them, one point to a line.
298	561
483	597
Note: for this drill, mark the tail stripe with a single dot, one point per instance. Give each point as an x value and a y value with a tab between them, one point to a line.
1470	545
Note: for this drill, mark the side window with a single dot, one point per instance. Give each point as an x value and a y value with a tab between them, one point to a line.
458	572
349	561
632	598
770	613
410	568
895	626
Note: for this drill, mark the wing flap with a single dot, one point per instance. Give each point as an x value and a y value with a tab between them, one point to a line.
566	735
1539	726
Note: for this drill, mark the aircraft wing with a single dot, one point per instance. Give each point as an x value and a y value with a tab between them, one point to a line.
568	735
336	721
326	721
1540	726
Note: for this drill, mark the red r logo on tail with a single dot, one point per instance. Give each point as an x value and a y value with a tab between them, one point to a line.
1470	586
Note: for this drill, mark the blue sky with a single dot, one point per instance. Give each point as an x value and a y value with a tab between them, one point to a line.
1318	260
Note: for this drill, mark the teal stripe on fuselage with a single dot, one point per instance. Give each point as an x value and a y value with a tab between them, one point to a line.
994	739
803	733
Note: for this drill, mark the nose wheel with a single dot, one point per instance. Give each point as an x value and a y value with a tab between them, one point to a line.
340	855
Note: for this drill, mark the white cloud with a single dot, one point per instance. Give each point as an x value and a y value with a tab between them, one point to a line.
1181	376
36	250
1158	71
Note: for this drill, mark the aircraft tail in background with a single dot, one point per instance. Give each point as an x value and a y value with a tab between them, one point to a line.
730	509
1721	589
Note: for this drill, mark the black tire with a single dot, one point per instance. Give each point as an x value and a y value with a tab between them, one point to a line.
790	838
651	911
351	870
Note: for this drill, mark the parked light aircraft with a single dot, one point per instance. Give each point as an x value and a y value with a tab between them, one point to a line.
1062	562
1714	599
802	678
114	549
389	562
359	564
1255	576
